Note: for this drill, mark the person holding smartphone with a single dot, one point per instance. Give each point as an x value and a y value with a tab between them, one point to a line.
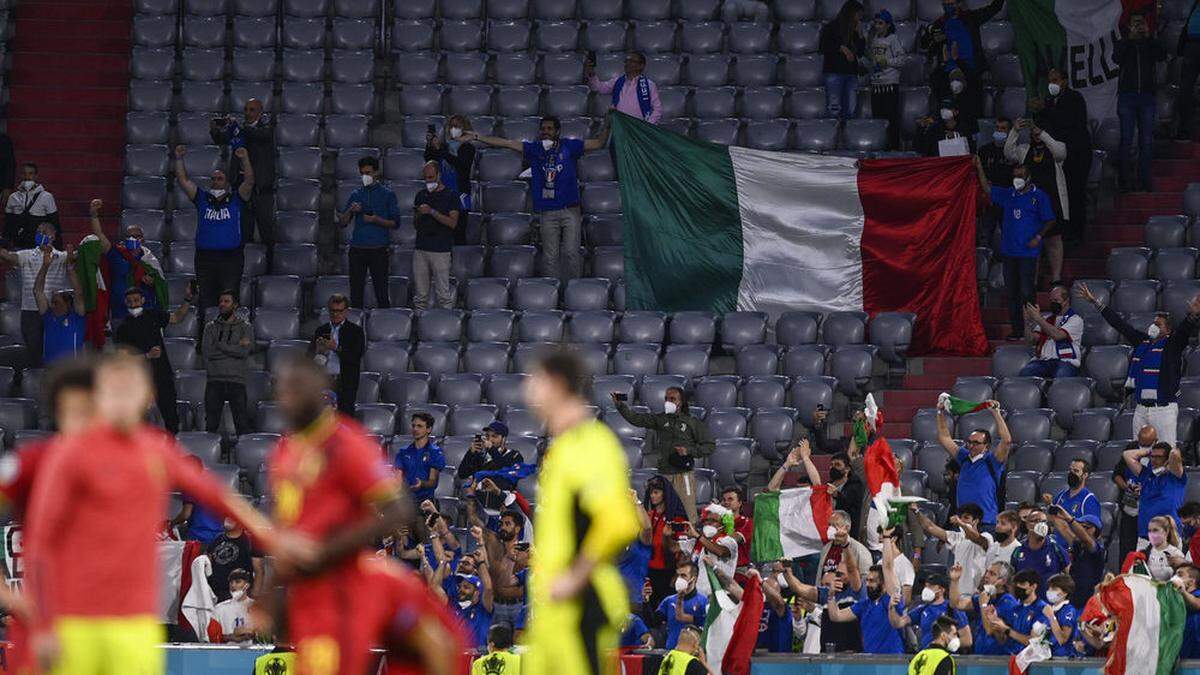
143	331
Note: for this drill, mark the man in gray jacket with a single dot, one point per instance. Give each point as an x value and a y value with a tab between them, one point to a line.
678	440
228	341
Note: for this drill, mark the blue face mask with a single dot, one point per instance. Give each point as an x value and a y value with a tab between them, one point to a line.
133	243
42	239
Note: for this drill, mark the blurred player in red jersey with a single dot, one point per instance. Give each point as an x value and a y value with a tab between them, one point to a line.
332	488
97	613
67	395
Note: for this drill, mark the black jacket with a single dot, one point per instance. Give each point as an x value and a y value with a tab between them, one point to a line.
260	145
1066	118
932	37
1183	34
1137	59
463	162
1172	358
831	48
352	343
997	167
489	460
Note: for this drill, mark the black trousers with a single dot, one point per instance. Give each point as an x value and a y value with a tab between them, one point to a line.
1127	532
217	271
32	331
347	393
216	394
261	215
1076	169
164	386
1188	73
1020	277
885	105
375	261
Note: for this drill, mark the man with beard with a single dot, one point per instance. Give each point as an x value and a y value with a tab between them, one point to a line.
1076	500
509	591
1005	540
228	341
474	600
143	331
879	636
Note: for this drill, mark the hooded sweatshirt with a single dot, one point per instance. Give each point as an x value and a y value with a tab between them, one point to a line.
224	355
884	58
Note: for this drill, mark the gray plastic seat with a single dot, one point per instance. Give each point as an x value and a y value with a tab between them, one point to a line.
687	360
202	31
469	99
755	70
515	69
377	418
996	38
461	9
796	328
297	227
144	192
392	324
601	198
762	103
1108	365
852	364
642	327
772	431
467	262
556	36
652	389
486	293
297	259
1068	395
152	63
352	66
974	388
541	326
440	325
706	70
717	391
804	361
487	357
1173	264
510	196
509	228
412	35
1021	487
253	65
565	102
1134	295
1006	71
254	32
1094	424
588	294
505	389
743	328
462	68
693	327
727	423
342	131
508	36
282	291
303	97
306	8
297	130
591	326
154	31
1128	263
459	389
1076	449
435	358
353	34
1176	296
538	293
749	38
298	195
724	132
798	38
352	99
399	387
462	36
865	135
1031	424
470	418
518	101
818	135
803	70
1008	360
731	461
892	333
303	33
768	134
1166	231
842	328
202	97
356	8
763	392
275	324
605	36
654	36
299	162
204	64
636	359
145	160
701	37
715	102
553	9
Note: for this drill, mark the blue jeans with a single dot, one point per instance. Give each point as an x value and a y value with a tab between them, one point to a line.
841	95
1138	109
1049	368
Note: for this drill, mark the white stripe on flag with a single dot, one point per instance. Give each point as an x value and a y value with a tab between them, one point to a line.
1142	645
798	532
1090	26
797	257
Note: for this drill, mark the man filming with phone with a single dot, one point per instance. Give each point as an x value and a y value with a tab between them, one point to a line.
679	438
489	451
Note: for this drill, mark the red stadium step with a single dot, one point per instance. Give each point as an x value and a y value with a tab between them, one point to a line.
1150	200
902	404
76	11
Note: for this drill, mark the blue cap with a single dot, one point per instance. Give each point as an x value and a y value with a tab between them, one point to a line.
470	578
498	427
1092	520
885	16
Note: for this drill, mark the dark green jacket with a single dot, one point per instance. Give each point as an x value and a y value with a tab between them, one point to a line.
670	431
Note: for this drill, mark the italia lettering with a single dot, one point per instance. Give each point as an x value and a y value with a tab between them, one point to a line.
216	214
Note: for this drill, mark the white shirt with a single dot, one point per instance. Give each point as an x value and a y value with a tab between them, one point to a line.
1159	564
44	205
971	556
1000	552
233	614
905	573
1074	328
333	362
31	264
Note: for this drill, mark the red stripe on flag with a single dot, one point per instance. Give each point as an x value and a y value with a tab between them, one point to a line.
822	508
1118	600
745	630
880	465
918	249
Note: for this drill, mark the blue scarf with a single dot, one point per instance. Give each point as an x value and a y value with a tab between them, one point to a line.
643	94
450	180
1144	367
1065	348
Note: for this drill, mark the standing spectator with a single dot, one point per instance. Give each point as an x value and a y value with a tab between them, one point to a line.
968	544
30	205
29	262
232	615
842	545
1131	492
228	341
847	490
374	210
63	322
842	46
1163	552
422	461
1028	216
1066	117
981	467
679	439
143	332
885	58
1077	500
1163	485
341	344
879	636
474	601
665	510
1137	55
812	429
456	162
963	99
634	562
1188	48
219	253
953	41
1045	158
633	93
734	499
489	451
930	132
230	551
553	162
1057	338
934	606
686	607
129	262
256	134
437	211
715	541
1087	549
1155	364
1041	551
996	165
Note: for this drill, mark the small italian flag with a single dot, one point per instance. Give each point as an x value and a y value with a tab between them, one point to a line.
956	406
1149	618
790	523
719	228
731	628
1037	650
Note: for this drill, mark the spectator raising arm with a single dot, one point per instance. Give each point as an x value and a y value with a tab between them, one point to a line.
801	454
597	143
181	177
1005	445
1133	335
943	435
9	258
246	189
493	141
77	303
39	283
94	212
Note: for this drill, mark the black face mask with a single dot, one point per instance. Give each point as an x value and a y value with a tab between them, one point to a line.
1003	536
1074	480
1056	308
1023	593
836	474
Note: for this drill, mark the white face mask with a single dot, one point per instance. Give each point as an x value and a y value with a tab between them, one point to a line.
999	137
217	194
1054	88
455	132
709	531
547	143
1159	471
928	595
1041	529
431	186
947	114
1019	184
670	408
237	595
953	645
957	86
1053	597
681	585
989	589
27	185
464	604
368	180
1153	331
135	311
782	580
830	532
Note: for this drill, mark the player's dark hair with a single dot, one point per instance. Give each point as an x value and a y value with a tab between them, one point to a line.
568	368
1027	577
76	373
741	494
972	510
516	515
500	635
553	119
424	417
239	574
1063	582
842	456
943	625
301	364
368	161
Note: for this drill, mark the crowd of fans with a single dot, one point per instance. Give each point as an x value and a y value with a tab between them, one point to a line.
1014	565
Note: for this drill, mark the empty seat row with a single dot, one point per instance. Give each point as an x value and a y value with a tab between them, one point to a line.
297	98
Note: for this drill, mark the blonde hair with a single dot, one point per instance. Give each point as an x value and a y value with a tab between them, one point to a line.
1168	524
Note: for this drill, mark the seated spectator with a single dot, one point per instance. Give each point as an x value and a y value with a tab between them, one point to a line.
930	132
226	347
1162	482
1076	499
1162	553
1031	610
232	616
980	466
473	601
967	543
456	165
30	205
686	607
142	332
885	56
992	593
1061	615
340	345
489	451
421	462
933	606
1057	338
29	261
1138	55
1044	157
374	210
256	134
842	46
1041	551
1087	549
62	313
633	93
437	210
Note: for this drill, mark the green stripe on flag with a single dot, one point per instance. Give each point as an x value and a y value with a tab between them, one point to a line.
1170	633
714	603
961	406
765	543
682	227
1039	39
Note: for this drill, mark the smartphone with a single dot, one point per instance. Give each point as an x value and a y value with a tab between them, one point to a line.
678	527
478	438
620	396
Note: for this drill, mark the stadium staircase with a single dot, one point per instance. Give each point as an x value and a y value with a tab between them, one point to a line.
70	81
1120	223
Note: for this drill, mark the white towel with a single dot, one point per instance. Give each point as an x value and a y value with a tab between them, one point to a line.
200	600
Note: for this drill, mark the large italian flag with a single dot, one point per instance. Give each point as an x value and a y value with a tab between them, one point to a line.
790	523
1150	617
1076	35
719	228
731	628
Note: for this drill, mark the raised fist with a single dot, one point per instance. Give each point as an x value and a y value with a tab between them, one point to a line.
180	151
95	206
